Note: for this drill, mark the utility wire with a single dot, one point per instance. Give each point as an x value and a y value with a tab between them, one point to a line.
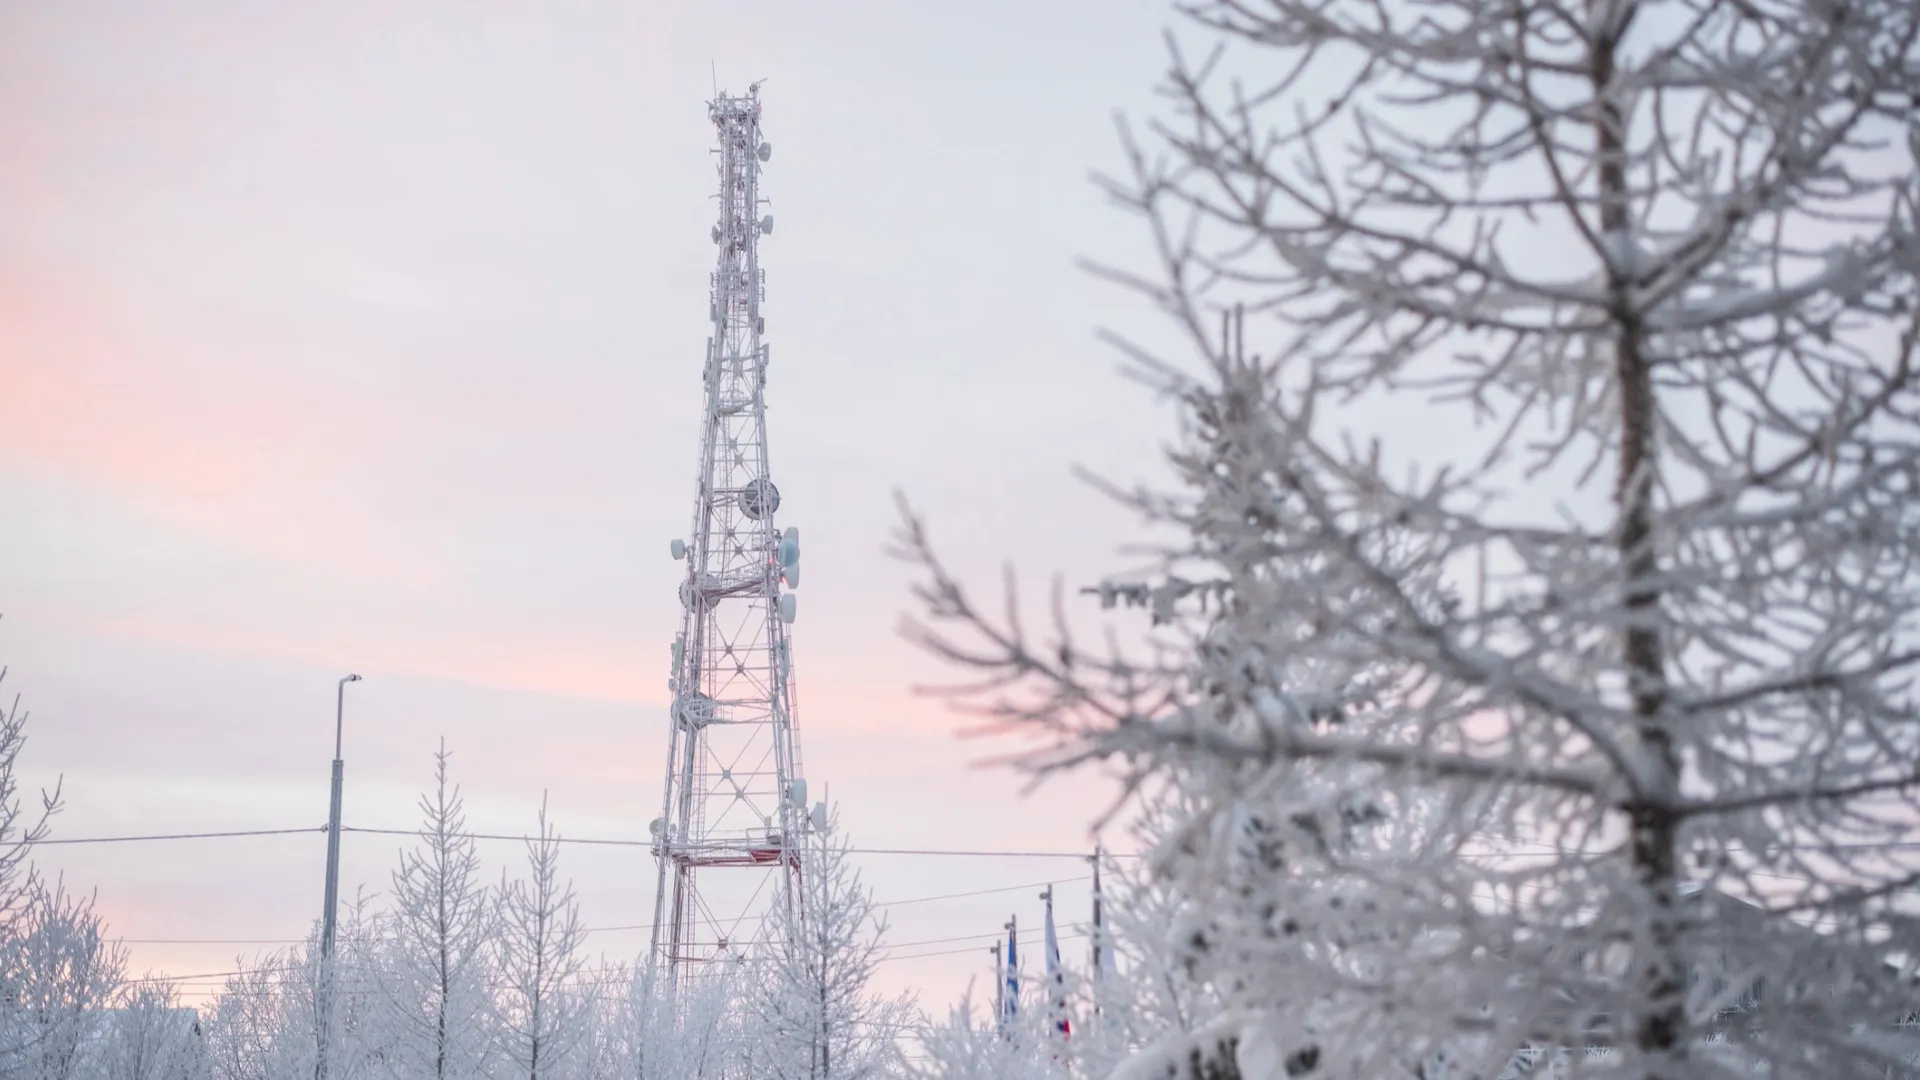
852	851
1812	846
170	836
503	836
292	976
609	842
1069	936
992	854
629	926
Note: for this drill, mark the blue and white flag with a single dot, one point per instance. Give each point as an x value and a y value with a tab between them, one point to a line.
1055	975
1013	972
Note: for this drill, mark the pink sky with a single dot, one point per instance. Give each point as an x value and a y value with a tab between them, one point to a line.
339	338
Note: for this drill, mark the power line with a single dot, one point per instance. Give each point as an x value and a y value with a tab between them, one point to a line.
991	854
1069	936
503	836
171	836
629	926
209	941
985	892
293	976
1804	846
613	842
601	841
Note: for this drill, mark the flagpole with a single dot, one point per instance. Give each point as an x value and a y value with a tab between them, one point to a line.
1098	926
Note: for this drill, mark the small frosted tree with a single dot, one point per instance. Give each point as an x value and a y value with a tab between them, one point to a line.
1155	991
600	1039
1557	539
151	1036
20	828
544	1011
265	1022
363	1034
814	1015
657	1034
245	1023
63	975
650	1032
962	1048
435	981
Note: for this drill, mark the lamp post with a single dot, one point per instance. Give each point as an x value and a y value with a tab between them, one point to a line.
333	883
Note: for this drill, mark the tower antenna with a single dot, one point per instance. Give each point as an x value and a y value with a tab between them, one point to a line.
733	798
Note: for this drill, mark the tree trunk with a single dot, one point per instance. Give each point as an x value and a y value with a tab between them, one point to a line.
1656	1028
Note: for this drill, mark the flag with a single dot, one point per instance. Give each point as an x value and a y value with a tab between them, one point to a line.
1054	974
1013	972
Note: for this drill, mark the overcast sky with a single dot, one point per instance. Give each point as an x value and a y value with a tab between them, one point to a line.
366	337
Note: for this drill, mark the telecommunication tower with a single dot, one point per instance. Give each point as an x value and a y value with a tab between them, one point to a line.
734	798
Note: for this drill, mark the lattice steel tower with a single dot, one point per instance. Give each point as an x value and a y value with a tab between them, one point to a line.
733	796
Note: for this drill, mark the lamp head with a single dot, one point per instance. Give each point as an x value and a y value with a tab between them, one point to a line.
351	678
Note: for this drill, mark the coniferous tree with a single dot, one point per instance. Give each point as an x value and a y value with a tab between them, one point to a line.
814	1013
435	983
544	1009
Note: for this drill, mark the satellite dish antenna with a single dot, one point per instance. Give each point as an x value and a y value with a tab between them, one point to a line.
797	792
766	151
789	607
759	499
678	548
766	225
693	711
820	816
656	827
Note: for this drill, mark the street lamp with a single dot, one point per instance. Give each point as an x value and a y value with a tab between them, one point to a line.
333	881
333	824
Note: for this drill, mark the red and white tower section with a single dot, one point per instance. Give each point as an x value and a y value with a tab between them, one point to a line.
735	806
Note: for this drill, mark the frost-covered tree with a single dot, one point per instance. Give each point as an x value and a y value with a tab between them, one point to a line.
544	1011
599	1037
1553	684
363	1034
265	1022
1154	991
62	974
20	827
434	981
814	1015
657	1034
245	1024
149	1035
964	1048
